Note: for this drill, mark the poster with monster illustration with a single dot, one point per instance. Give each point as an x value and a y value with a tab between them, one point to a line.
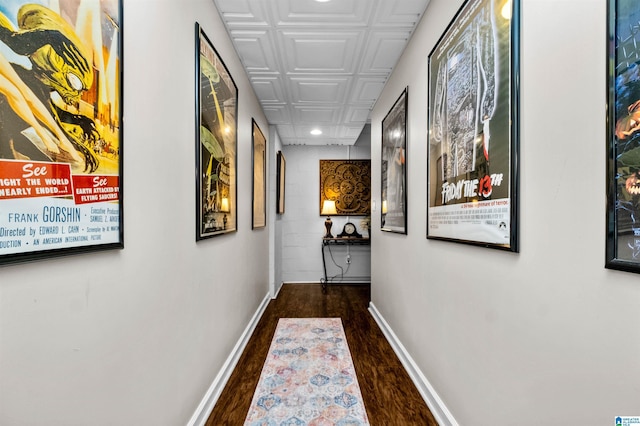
216	121
623	136
473	127
60	127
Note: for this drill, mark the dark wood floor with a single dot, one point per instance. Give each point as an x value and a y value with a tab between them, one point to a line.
390	397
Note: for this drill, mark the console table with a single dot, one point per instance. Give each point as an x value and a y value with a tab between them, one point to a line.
327	244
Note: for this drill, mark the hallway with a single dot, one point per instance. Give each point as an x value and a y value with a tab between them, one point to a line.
390	396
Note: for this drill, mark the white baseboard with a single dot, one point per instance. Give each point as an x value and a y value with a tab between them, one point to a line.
336	282
277	292
205	407
435	404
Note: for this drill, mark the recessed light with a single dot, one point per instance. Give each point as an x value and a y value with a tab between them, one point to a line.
316	132
323	1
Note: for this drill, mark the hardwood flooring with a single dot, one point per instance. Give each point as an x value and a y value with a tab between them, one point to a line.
390	397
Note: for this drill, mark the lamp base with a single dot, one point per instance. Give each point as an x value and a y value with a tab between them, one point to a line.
327	225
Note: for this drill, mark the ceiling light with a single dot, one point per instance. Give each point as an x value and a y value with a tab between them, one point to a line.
316	132
322	1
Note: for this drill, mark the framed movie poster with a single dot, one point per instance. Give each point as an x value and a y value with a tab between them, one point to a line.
394	167
60	128
259	216
281	166
473	127
623	136
216	145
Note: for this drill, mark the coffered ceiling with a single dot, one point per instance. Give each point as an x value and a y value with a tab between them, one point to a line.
319	64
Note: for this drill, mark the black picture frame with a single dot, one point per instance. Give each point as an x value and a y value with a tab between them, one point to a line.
216	142
61	183
394	158
623	137
259	181
473	128
281	174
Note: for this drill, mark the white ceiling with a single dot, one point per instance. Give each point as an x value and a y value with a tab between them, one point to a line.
319	64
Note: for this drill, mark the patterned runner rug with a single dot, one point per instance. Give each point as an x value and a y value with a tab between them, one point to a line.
308	378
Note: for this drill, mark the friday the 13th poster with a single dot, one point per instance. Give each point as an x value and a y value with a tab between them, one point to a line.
472	183
60	127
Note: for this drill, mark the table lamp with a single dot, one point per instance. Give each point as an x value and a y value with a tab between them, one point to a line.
224	207
328	208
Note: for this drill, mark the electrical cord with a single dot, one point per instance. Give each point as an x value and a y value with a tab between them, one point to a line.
342	271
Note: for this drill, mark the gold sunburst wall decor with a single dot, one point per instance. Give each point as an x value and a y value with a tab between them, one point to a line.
348	183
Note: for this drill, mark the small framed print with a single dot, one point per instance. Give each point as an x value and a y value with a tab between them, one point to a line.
281	172
259	155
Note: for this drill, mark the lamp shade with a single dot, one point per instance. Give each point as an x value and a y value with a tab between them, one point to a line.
329	207
384	206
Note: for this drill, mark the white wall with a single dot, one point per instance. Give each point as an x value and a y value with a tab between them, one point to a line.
547	336
137	336
302	225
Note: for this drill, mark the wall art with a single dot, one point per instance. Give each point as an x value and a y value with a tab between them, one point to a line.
473	127
281	165
259	156
348	183
60	128
216	145
623	136
394	167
